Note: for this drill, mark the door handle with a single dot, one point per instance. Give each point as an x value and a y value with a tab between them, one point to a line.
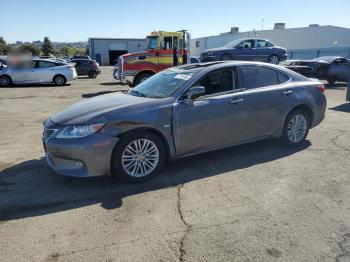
287	93
235	101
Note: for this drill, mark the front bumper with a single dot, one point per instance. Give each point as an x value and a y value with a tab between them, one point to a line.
80	157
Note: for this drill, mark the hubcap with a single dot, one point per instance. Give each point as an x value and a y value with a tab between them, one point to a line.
297	127
144	79
59	80
140	158
274	60
4	81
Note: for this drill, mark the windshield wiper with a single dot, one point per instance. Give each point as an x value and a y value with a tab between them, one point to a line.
138	93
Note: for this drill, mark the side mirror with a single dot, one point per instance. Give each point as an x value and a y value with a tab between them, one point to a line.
195	92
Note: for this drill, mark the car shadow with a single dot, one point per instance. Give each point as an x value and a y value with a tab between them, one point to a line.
342	108
31	189
337	86
88	95
35	86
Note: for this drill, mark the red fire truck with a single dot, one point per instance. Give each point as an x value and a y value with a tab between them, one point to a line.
164	49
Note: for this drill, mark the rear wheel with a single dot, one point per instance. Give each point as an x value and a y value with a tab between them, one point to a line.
92	74
59	80
5	81
296	128
226	57
141	77
274	59
138	156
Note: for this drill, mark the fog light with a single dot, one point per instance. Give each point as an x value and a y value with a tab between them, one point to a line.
79	164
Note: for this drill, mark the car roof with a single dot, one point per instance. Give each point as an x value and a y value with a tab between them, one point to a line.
205	67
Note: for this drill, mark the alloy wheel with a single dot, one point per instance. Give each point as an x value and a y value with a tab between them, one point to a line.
274	60
297	128
59	80
140	158
4	81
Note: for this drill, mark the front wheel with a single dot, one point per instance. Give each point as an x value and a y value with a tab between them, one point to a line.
141	78
226	57
296	128
5	81
274	59
138	156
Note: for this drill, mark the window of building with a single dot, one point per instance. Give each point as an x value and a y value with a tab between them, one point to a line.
198	43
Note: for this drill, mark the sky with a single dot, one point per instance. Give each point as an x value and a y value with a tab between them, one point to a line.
77	20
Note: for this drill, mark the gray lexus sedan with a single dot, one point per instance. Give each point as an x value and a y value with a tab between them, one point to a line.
178	112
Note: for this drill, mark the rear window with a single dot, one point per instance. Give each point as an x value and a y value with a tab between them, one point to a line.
259	76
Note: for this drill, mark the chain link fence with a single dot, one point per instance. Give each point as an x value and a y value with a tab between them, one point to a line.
316	52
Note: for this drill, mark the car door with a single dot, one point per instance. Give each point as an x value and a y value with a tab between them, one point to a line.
43	71
245	50
266	100
78	67
22	72
211	121
340	69
263	50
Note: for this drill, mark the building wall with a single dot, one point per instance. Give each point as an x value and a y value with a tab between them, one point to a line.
290	38
102	46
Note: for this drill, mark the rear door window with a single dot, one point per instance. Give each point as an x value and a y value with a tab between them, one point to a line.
259	76
45	64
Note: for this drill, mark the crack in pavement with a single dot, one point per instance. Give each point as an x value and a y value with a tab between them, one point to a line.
334	141
345	253
188	226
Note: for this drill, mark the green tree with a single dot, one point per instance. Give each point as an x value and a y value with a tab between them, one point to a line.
47	47
33	49
4	47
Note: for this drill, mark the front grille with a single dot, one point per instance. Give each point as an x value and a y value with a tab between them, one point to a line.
48	133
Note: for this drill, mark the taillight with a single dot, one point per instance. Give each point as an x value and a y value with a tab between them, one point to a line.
321	88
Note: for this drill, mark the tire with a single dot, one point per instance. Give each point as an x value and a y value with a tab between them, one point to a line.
226	57
294	138
92	74
274	59
59	80
331	81
5	81
141	77
322	73
133	167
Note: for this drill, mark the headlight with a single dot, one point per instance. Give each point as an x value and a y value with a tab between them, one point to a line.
80	131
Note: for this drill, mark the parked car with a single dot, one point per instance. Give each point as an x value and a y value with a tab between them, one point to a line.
339	70
80	57
86	67
50	56
37	71
115	73
318	67
248	49
178	112
3	61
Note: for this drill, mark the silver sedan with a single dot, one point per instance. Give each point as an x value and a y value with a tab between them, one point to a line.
37	71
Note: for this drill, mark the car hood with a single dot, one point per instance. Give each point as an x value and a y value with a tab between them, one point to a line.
92	109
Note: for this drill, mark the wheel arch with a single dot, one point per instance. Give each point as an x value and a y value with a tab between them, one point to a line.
8	77
56	75
148	71
306	108
151	130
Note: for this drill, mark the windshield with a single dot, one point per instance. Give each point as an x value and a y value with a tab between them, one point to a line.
152	42
326	58
233	43
162	84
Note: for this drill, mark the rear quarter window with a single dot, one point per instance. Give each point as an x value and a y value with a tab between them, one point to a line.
259	76
282	77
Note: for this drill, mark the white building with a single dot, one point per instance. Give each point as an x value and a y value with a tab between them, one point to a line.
107	50
312	41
